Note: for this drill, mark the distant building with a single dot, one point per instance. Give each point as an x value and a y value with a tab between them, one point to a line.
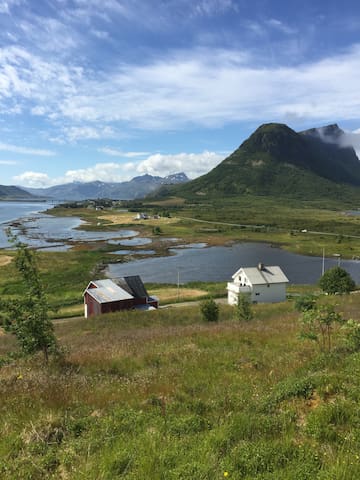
141	216
105	296
263	284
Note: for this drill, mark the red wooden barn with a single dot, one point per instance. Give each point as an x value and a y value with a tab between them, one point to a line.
104	296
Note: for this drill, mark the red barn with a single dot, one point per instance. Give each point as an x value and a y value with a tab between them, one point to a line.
105	296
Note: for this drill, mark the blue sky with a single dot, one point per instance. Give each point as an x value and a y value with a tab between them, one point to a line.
107	90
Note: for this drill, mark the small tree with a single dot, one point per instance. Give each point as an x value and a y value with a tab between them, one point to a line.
304	303
318	324
209	310
352	334
336	280
27	317
244	308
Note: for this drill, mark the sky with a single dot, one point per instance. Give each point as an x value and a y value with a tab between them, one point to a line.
112	89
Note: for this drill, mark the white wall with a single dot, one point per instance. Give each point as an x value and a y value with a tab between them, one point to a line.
259	293
275	292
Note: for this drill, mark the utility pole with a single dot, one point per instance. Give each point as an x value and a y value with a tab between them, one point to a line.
178	284
323	262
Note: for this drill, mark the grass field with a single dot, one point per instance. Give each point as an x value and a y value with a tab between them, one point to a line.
165	395
298	226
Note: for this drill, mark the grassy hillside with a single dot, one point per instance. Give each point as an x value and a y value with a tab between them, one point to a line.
163	395
276	161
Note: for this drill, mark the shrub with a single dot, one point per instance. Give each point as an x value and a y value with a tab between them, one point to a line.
352	333
209	310
304	303
318	325
336	280
243	308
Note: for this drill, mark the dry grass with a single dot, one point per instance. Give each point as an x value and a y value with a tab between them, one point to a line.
5	260
172	294
129	218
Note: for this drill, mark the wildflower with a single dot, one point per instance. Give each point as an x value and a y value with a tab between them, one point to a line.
226	474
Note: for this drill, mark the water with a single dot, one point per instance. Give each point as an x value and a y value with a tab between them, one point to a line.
11	211
43	231
220	263
134	252
131	242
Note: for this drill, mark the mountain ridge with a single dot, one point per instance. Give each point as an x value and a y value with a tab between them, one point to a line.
137	187
11	192
277	161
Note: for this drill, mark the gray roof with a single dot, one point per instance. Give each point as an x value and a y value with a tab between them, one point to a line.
107	291
266	275
133	285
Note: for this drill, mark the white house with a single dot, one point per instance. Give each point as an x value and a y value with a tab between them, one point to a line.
263	284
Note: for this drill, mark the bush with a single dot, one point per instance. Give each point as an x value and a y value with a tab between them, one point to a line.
304	303
209	310
352	333
243	308
336	280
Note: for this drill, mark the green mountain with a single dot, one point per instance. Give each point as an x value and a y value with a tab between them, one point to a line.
9	192
277	161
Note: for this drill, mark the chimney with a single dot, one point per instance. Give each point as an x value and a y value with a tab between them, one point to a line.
261	266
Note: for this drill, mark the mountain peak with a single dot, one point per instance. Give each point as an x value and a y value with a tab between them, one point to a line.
328	133
275	160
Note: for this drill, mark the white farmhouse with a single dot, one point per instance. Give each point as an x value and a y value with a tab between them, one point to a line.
263	284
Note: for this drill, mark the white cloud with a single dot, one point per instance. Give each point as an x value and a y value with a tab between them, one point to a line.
205	87
213	7
351	139
213	88
33	179
49	34
8	162
118	153
193	164
26	151
100	34
105	172
90	133
282	27
5	5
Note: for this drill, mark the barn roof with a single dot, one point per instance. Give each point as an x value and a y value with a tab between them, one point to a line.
105	291
265	275
133	285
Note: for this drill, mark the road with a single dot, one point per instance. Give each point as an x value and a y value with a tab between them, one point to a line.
312	232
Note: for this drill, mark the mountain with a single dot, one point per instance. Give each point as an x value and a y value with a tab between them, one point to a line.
14	193
138	187
277	161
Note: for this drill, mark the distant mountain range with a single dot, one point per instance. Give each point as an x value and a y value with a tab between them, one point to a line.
274	161
277	161
14	193
138	187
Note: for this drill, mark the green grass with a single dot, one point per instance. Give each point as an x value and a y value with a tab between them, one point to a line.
163	395
65	275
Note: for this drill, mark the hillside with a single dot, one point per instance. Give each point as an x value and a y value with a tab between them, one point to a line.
136	188
277	161
14	193
165	395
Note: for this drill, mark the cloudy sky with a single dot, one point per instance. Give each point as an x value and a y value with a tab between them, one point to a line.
110	89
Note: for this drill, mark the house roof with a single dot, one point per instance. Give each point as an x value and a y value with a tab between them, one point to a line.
133	285
266	275
105	291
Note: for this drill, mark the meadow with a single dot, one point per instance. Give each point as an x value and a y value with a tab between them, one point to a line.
166	395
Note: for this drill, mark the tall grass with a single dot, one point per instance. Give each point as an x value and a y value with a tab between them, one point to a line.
164	395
